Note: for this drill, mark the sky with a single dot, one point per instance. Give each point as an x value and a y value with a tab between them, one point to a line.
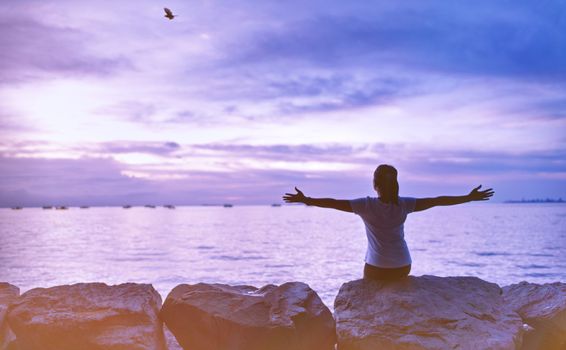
109	103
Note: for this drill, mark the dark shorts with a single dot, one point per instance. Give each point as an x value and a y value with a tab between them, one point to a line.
379	273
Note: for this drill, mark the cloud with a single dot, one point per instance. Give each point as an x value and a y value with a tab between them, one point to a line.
10	123
157	148
491	39
412	157
105	150
319	59
374	92
96	181
133	111
278	152
449	163
548	108
248	174
58	179
32	49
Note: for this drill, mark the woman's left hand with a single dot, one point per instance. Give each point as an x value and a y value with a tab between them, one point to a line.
477	195
298	197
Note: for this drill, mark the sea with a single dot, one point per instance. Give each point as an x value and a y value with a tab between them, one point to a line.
259	245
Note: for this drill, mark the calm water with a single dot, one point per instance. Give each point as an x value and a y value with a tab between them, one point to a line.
257	245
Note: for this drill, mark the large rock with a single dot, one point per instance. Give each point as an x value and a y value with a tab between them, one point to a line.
425	312
223	317
170	340
88	316
542	307
8	293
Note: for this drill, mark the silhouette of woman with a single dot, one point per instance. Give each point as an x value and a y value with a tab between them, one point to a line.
387	256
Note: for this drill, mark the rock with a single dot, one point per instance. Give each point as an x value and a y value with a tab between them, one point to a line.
88	316
542	307
425	312
170	340
221	317
8	293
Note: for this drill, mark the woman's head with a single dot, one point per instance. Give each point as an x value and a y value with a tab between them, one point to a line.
385	183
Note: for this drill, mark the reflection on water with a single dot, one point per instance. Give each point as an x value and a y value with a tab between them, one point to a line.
502	243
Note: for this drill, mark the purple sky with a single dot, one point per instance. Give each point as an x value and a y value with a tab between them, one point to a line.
106	102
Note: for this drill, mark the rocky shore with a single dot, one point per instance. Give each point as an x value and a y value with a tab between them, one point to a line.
425	312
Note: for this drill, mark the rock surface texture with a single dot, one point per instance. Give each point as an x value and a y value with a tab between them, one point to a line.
542	307
223	317
425	312
170	340
8	293
88	316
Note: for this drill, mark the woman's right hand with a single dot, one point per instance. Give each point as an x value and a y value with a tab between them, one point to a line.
477	195
298	197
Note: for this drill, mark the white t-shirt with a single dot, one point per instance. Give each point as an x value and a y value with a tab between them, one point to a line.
384	228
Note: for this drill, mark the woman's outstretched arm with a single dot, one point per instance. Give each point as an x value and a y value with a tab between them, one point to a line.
474	195
299	197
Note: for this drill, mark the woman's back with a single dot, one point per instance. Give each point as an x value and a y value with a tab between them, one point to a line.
384	229
383	215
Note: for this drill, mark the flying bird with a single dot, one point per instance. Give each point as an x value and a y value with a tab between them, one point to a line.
169	14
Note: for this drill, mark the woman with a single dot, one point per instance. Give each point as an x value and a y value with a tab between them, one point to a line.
387	256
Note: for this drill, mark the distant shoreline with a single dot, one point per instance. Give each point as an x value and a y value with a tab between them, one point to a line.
547	200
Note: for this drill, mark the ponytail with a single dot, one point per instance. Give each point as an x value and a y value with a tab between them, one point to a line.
385	182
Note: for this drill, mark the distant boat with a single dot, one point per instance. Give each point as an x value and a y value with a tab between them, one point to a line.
169	206
228	205
149	206
84	207
17	208
126	206
47	207
62	208
275	205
